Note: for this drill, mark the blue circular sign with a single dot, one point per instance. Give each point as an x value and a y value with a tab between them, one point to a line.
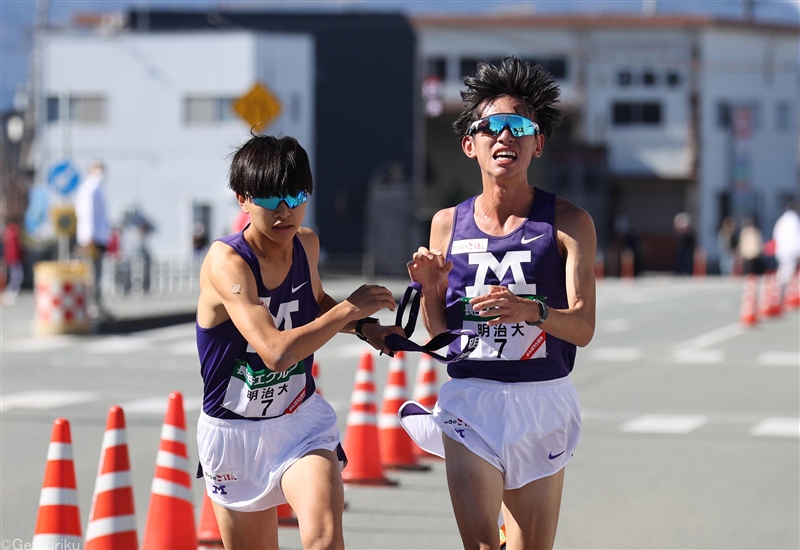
63	177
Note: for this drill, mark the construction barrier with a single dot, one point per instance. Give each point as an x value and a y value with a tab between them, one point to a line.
60	290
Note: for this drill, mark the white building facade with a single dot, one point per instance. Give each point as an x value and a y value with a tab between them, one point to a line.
156	109
664	96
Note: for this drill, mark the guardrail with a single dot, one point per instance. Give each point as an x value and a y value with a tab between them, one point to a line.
139	276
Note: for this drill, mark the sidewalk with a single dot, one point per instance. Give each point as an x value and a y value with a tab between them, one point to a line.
136	313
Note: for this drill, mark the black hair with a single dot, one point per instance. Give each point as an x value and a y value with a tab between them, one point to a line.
267	166
514	78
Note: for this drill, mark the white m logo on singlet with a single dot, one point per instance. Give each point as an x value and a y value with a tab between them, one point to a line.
512	260
285	311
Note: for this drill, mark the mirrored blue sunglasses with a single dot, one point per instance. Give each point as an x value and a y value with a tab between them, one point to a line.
493	125
271	203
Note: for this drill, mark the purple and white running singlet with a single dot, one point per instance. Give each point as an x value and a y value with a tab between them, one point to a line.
528	262
237	383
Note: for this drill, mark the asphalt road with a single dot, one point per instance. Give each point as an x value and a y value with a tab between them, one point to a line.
691	424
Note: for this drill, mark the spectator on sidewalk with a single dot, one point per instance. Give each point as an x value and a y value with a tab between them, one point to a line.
751	248
786	234
727	239
685	242
94	229
12	254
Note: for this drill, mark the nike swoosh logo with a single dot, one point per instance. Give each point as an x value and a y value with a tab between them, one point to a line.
526	241
552	456
296	288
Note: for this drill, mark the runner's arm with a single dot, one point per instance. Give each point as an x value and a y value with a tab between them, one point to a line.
279	349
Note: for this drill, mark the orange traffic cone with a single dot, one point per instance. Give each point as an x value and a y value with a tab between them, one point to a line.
315	374
791	297
170	518
764	298
208	534
361	442
426	392
396	447
58	524
112	521
775	303
748	315
286	517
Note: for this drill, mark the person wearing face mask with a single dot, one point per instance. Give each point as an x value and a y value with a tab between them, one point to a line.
264	436
515	265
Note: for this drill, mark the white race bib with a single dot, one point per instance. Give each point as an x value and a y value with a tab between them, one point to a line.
265	393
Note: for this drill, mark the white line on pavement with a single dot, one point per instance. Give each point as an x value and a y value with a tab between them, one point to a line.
777	426
615	354
44	399
779	359
664	423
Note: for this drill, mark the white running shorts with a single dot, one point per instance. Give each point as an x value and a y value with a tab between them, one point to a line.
244	460
527	430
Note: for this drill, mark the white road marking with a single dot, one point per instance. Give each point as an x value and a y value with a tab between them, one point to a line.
713	337
39	344
158	405
664	423
777	426
615	354
699	356
779	359
44	399
183	348
118	344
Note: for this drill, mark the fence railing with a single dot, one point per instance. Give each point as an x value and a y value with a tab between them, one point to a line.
139	276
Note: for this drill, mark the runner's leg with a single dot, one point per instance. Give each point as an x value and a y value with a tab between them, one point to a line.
313	486
476	491
531	512
245	530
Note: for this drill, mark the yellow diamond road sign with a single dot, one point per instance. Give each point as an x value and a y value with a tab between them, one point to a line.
258	107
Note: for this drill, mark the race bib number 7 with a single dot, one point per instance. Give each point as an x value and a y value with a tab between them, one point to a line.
265	393
509	342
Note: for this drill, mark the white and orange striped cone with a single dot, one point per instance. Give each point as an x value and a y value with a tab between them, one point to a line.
208	535
764	298
791	296
426	393
315	374
361	442
748	314
776	303
112	521
396	447
170	518
58	524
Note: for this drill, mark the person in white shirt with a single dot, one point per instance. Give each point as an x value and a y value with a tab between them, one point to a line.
787	244
94	229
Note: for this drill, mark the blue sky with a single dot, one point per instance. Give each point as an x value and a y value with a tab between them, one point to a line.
16	16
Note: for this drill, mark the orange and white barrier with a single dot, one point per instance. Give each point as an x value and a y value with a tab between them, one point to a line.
748	315
112	521
58	523
208	535
60	290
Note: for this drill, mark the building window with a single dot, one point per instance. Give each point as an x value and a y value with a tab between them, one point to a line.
52	109
649	78
556	66
783	121
673	79
436	66
629	113
624	78
723	116
202	111
87	110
